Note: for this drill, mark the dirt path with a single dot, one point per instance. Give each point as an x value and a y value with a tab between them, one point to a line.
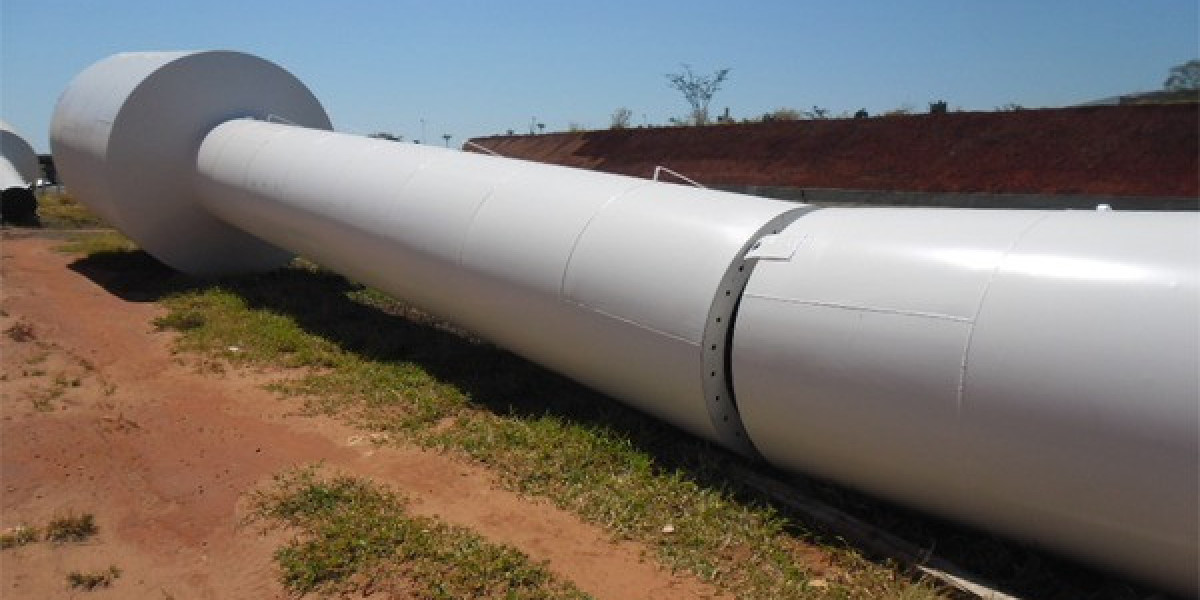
97	416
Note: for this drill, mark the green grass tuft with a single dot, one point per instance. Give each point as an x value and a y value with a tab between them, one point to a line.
92	580
355	537
98	243
19	536
71	528
60	210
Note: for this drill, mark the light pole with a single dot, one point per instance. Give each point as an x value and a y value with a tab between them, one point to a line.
446	136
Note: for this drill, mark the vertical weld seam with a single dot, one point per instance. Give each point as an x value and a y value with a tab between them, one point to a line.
974	321
562	281
487	196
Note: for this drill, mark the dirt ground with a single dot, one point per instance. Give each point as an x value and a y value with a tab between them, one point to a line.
98	416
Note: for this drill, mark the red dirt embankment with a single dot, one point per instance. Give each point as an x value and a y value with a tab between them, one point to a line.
1147	150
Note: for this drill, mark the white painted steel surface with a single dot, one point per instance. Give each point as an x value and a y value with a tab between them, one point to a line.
125	135
1032	372
18	161
607	279
1035	372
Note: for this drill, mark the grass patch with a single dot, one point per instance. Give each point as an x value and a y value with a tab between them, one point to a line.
42	399
91	580
38	358
354	537
107	242
67	528
18	536
60	210
71	528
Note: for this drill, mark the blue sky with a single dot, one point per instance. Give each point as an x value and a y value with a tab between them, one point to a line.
473	68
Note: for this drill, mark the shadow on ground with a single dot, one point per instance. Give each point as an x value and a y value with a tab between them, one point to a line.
505	384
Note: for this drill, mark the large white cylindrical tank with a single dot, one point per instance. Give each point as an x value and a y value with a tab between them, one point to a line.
125	135
18	161
1032	371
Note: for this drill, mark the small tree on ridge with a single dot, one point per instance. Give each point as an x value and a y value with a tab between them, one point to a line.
621	118
698	90
1183	77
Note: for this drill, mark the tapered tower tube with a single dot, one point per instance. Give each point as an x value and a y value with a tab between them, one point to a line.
604	278
1032	372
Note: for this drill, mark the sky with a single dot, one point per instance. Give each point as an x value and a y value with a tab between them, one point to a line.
422	69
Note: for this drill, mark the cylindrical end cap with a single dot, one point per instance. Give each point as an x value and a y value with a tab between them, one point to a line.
125	135
21	169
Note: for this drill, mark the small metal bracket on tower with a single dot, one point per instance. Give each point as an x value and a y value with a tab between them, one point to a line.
484	148
659	169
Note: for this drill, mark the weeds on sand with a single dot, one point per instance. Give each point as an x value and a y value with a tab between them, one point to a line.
353	536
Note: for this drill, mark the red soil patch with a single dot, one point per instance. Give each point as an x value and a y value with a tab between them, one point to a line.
1148	150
